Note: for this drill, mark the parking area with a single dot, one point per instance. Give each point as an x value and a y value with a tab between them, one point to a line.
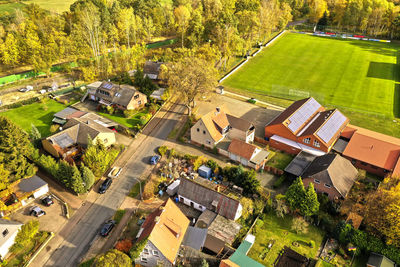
259	116
52	221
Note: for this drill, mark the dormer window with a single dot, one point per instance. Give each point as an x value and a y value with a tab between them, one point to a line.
307	140
136	96
5	232
316	143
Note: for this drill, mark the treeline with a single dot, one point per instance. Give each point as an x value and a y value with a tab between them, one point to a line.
91	29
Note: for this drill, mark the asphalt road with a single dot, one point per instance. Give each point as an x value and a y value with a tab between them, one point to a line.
78	237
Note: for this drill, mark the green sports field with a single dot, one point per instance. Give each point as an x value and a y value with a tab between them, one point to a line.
360	77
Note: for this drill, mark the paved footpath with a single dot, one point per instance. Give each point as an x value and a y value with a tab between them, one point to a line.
269	105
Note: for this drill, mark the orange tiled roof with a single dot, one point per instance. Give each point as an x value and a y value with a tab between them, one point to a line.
228	263
165	228
213	118
371	147
241	148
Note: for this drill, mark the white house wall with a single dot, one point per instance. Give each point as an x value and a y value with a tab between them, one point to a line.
238	212
42	191
7	245
151	259
187	201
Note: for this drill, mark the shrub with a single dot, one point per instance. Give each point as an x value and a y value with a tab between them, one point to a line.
212	164
148	190
137	249
124	245
54	128
215	150
311	244
252	101
278	183
162	150
198	162
171	153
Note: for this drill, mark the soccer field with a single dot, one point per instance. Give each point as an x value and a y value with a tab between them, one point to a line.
359	76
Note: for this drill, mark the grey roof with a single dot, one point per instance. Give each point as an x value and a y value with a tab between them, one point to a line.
64	140
340	145
157	94
205	219
224	229
332	126
63	114
377	260
238	123
300	163
152	67
31	184
205	196
260	157
11	226
195	237
334	170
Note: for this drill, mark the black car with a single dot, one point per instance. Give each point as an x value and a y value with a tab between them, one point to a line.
47	201
107	227
105	185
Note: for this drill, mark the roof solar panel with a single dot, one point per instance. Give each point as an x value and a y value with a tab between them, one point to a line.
108	86
303	114
328	130
63	140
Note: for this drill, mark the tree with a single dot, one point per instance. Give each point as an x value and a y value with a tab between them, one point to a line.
299	225
87	177
14	147
317	10
190	78
113	258
280	208
137	249
26	234
204	263
302	200
35	135
182	15
10	50
76	183
310	205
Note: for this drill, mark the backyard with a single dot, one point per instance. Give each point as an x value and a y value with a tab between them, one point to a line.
339	73
131	122
278	230
39	114
279	160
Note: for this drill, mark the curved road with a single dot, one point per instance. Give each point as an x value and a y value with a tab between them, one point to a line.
74	240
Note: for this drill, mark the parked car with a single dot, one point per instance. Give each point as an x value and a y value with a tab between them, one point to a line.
115	172
37	211
107	227
29	88
105	185
23	90
154	159
47	201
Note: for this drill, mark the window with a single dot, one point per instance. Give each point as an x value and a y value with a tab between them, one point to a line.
316	143
155	253
5	232
328	185
317	181
139	102
307	140
136	97
144	260
204	132
198	129
146	251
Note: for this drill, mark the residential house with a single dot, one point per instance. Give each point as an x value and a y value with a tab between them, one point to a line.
64	115
374	152
32	187
202	194
247	154
239	258
9	230
123	97
70	142
290	258
305	125
378	260
332	175
164	230
213	127
151	69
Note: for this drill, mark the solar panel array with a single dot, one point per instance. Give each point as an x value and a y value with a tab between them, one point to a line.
63	140
328	130
107	86
303	114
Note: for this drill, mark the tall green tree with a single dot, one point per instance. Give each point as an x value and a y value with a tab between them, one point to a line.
87	177
113	258
310	205
305	201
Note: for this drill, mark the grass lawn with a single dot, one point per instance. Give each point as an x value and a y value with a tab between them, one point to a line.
128	122
118	215
35	113
279	159
278	229
10	7
135	190
57	6
359	77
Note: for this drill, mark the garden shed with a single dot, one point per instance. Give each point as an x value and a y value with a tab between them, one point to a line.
204	171
172	189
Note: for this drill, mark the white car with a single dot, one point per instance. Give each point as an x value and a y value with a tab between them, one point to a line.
29	88
115	172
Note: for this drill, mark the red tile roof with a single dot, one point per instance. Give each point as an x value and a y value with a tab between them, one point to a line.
242	149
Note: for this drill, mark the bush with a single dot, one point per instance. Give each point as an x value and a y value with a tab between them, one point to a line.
252	101
137	249
212	164
311	244
278	183
162	150
54	128
198	162
171	153
124	245
148	190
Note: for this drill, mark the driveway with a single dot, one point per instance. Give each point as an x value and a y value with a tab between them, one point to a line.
259	116
74	240
53	221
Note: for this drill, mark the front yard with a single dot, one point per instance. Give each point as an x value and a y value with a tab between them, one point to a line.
38	114
278	230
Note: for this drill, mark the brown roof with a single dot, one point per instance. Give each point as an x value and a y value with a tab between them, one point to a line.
152	67
355	219
291	258
210	123
238	123
119	94
205	196
374	148
228	263
242	149
334	170
165	228
288	112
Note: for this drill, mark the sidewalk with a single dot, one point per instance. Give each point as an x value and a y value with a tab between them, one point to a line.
269	105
